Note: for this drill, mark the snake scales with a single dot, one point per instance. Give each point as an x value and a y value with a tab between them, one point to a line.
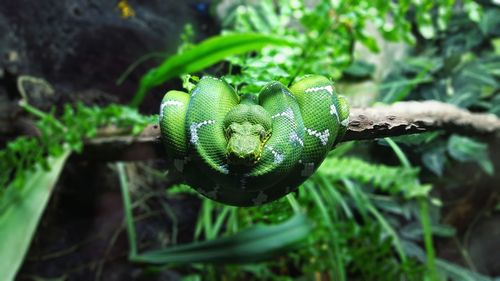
251	150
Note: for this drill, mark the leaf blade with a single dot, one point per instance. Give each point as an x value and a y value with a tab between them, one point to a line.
255	243
203	55
15	237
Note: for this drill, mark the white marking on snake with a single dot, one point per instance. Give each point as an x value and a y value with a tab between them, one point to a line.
308	169
224	169
194	129
322	136
261	198
328	88
345	122
287	93
168	103
288	113
179	163
294	138
333	111
195	92
278	157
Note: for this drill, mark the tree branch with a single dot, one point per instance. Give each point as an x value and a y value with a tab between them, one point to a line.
412	117
402	118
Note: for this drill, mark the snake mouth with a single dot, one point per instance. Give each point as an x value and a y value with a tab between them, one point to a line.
238	160
246	150
243	150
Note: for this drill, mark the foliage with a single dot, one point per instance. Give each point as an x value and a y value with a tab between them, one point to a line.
326	34
31	166
354	219
203	55
255	243
388	179
459	65
371	221
73	126
343	189
18	220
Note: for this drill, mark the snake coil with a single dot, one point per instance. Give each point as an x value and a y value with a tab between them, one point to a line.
249	150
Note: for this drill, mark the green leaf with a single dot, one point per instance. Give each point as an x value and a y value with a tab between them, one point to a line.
397	86
427	31
360	70
204	55
490	22
416	139
368	41
413	249
465	149
474	10
434	160
256	243
495	106
19	220
192	277
457	273
414	231
394	180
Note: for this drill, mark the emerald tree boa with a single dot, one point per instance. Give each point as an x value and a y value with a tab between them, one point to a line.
249	150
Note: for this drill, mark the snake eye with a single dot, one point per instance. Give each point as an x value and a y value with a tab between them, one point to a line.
258	129
263	134
228	131
231	129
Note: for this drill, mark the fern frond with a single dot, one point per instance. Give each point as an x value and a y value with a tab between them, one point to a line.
393	180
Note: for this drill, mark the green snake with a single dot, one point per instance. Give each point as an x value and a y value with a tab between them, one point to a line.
249	150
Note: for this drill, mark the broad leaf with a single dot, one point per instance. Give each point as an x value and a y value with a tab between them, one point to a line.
465	149
19	220
204	55
256	243
457	273
360	69
434	160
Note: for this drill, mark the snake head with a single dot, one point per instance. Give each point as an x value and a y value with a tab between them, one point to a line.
246	142
247	129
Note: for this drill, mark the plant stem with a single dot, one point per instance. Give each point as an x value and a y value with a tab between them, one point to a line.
424	217
138	62
40	114
336	263
127	210
293	202
399	153
429	248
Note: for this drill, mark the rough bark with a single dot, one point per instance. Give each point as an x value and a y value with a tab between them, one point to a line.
411	117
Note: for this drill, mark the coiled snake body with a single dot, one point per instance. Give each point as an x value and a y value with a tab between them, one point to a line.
246	151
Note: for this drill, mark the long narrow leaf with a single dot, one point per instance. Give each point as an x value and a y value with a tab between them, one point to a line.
256	243
204	55
458	273
19	221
